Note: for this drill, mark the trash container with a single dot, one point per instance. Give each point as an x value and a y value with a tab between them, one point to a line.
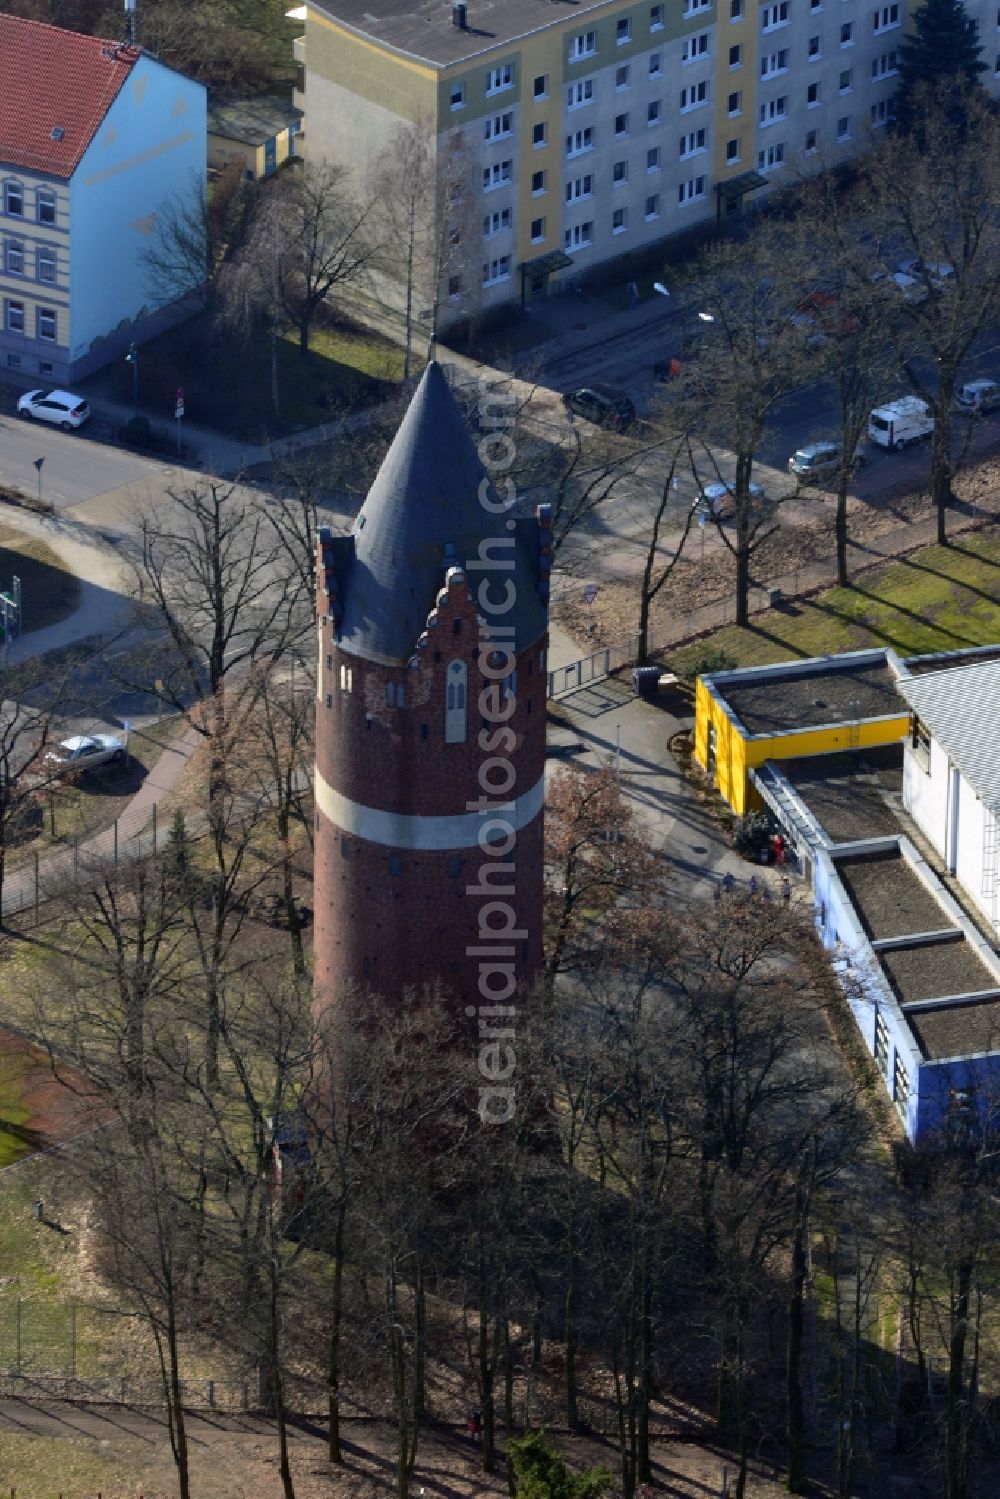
645	680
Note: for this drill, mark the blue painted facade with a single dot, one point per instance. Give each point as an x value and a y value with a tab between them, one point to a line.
927	1109
151	147
74	290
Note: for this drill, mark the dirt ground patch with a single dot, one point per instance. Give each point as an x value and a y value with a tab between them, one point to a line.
237	1459
36	1109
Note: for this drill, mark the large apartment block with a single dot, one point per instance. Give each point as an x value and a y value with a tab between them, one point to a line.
591	129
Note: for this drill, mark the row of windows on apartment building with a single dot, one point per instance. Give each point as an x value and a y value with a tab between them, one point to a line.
18	260
15	320
584	45
771	157
581	236
15	202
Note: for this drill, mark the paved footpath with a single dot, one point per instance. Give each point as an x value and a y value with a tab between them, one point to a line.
607	724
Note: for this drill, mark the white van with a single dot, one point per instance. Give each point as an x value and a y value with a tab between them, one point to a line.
899	423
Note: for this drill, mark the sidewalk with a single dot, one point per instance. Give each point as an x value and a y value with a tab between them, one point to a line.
211	450
610	725
104	608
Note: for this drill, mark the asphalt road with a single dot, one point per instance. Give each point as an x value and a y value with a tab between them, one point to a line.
75	468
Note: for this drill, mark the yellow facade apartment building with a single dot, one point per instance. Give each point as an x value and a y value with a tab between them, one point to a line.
587	130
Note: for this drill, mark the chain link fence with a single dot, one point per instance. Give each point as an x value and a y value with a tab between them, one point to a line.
83	1352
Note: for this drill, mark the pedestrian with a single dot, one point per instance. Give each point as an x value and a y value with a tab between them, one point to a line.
786	890
477	1426
727	882
753	884
633	292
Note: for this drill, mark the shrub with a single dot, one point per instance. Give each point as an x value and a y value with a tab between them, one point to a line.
751	833
136	431
709	660
540	1472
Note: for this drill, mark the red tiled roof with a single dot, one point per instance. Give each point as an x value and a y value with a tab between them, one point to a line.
53	80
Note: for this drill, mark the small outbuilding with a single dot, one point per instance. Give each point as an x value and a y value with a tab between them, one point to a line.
260	132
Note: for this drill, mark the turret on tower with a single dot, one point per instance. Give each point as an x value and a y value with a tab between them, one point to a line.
430	724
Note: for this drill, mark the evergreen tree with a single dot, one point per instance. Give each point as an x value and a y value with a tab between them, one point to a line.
942	49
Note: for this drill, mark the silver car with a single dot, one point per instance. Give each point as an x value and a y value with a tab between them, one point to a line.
978	395
61	407
818	461
84	752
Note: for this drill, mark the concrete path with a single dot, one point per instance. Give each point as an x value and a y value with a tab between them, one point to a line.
607	724
104	608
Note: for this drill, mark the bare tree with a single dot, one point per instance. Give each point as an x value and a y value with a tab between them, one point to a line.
328	241
214	575
198	236
29	701
656	572
932	197
426	227
753	356
600	868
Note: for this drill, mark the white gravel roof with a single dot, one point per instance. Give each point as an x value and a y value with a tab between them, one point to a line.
961	708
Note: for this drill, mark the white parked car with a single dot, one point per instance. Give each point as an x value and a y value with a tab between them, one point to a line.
59	406
85	751
937	272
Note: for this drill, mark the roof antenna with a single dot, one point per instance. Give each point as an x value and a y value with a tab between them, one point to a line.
130	13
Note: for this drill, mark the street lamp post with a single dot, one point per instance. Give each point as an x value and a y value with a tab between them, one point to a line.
132	358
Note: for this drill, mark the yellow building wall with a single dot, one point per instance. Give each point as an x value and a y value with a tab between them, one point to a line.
737	754
406	87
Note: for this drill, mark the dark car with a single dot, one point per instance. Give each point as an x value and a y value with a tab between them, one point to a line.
601	404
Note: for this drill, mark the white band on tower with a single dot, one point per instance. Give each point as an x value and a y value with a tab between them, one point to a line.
403	830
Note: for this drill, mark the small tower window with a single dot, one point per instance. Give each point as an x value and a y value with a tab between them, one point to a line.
455	711
329	700
456	627
424	730
346	679
390	694
400	695
395	865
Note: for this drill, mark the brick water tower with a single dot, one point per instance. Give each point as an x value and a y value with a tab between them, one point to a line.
430	723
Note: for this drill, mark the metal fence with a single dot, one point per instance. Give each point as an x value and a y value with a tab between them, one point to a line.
132	836
77	1352
691	624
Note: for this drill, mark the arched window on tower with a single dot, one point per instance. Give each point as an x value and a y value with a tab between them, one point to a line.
455	712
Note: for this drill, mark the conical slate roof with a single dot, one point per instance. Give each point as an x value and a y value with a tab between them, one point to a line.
423	515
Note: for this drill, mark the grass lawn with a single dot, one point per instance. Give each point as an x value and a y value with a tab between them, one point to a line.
13	1113
227	379
940	599
48	592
